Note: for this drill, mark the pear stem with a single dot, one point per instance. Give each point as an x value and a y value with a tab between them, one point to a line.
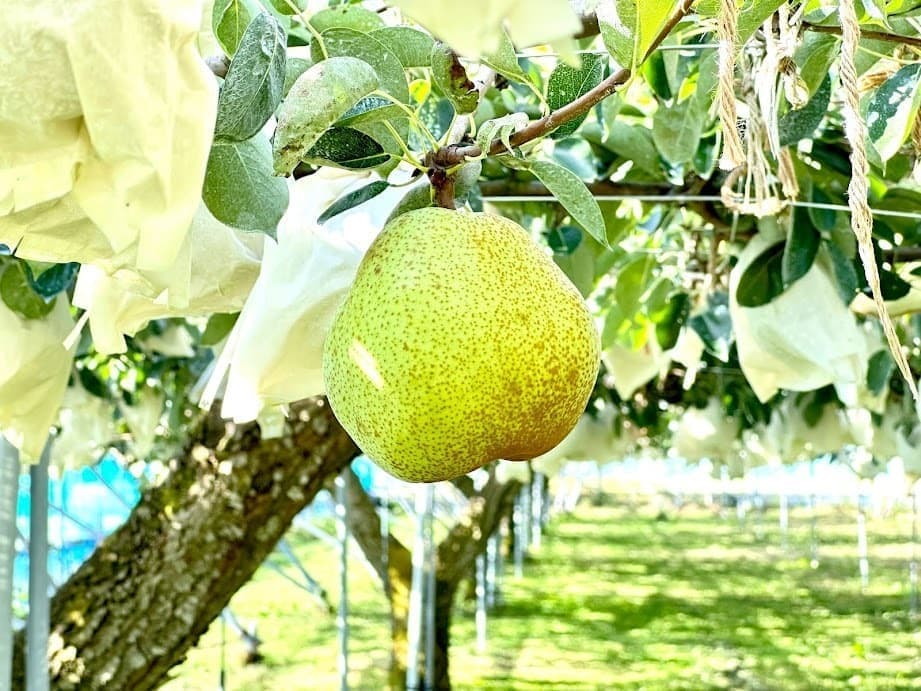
442	183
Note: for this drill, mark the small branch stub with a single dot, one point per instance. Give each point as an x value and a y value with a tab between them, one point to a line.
439	163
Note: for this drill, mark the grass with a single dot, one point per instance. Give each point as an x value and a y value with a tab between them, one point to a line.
618	599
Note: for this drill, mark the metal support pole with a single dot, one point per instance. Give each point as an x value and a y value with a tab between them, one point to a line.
430	585
526	517
9	490
481	603
913	564
814	519
862	552
501	542
222	677
537	508
493	545
342	618
415	617
741	511
519	519
784	520
385	537
39	622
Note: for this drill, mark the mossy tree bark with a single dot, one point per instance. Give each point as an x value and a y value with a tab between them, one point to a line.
455	556
150	590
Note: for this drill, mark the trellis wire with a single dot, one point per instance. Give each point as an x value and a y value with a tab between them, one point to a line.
692	47
682	198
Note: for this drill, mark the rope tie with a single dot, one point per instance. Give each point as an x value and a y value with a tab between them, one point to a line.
857	189
727	27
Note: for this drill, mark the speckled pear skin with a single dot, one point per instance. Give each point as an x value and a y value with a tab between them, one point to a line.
460	343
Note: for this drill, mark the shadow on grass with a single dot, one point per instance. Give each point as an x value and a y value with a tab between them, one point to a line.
702	597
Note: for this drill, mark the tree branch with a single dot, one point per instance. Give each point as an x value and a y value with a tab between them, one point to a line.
133	609
872	35
571	111
467	538
365	526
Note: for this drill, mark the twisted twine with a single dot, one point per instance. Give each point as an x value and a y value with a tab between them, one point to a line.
857	190
733	152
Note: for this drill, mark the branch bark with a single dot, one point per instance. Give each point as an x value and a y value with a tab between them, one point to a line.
455	557
153	586
871	35
580	106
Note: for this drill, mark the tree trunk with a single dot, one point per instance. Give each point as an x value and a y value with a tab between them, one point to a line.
456	554
151	589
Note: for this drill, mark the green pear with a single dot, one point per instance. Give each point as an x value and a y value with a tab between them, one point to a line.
460	343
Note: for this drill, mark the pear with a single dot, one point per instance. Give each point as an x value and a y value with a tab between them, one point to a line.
459	343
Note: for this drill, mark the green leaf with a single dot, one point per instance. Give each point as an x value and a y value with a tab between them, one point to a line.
354	44
254	83
892	109
318	98
579	266
892	286
412	47
229	19
846	277
572	193
656	76
294	68
802	123
762	280
500	128
752	14
814	56
371	109
677	130
800	249
344	147
240	189
284	7
714	326
19	296
505	61
629	27
451	77
566	84
879	369
353	199
669	320
825	220
352	17
53	280
635	144
564	239
219	325
418	197
632	282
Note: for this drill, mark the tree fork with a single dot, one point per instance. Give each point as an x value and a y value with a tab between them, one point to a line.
151	589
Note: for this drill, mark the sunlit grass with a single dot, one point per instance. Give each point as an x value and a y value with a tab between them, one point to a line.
619	599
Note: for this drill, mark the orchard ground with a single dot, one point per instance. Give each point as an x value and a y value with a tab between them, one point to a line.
621	597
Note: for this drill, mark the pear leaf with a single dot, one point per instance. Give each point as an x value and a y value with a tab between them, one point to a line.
254	83
240	190
575	197
317	99
353	199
